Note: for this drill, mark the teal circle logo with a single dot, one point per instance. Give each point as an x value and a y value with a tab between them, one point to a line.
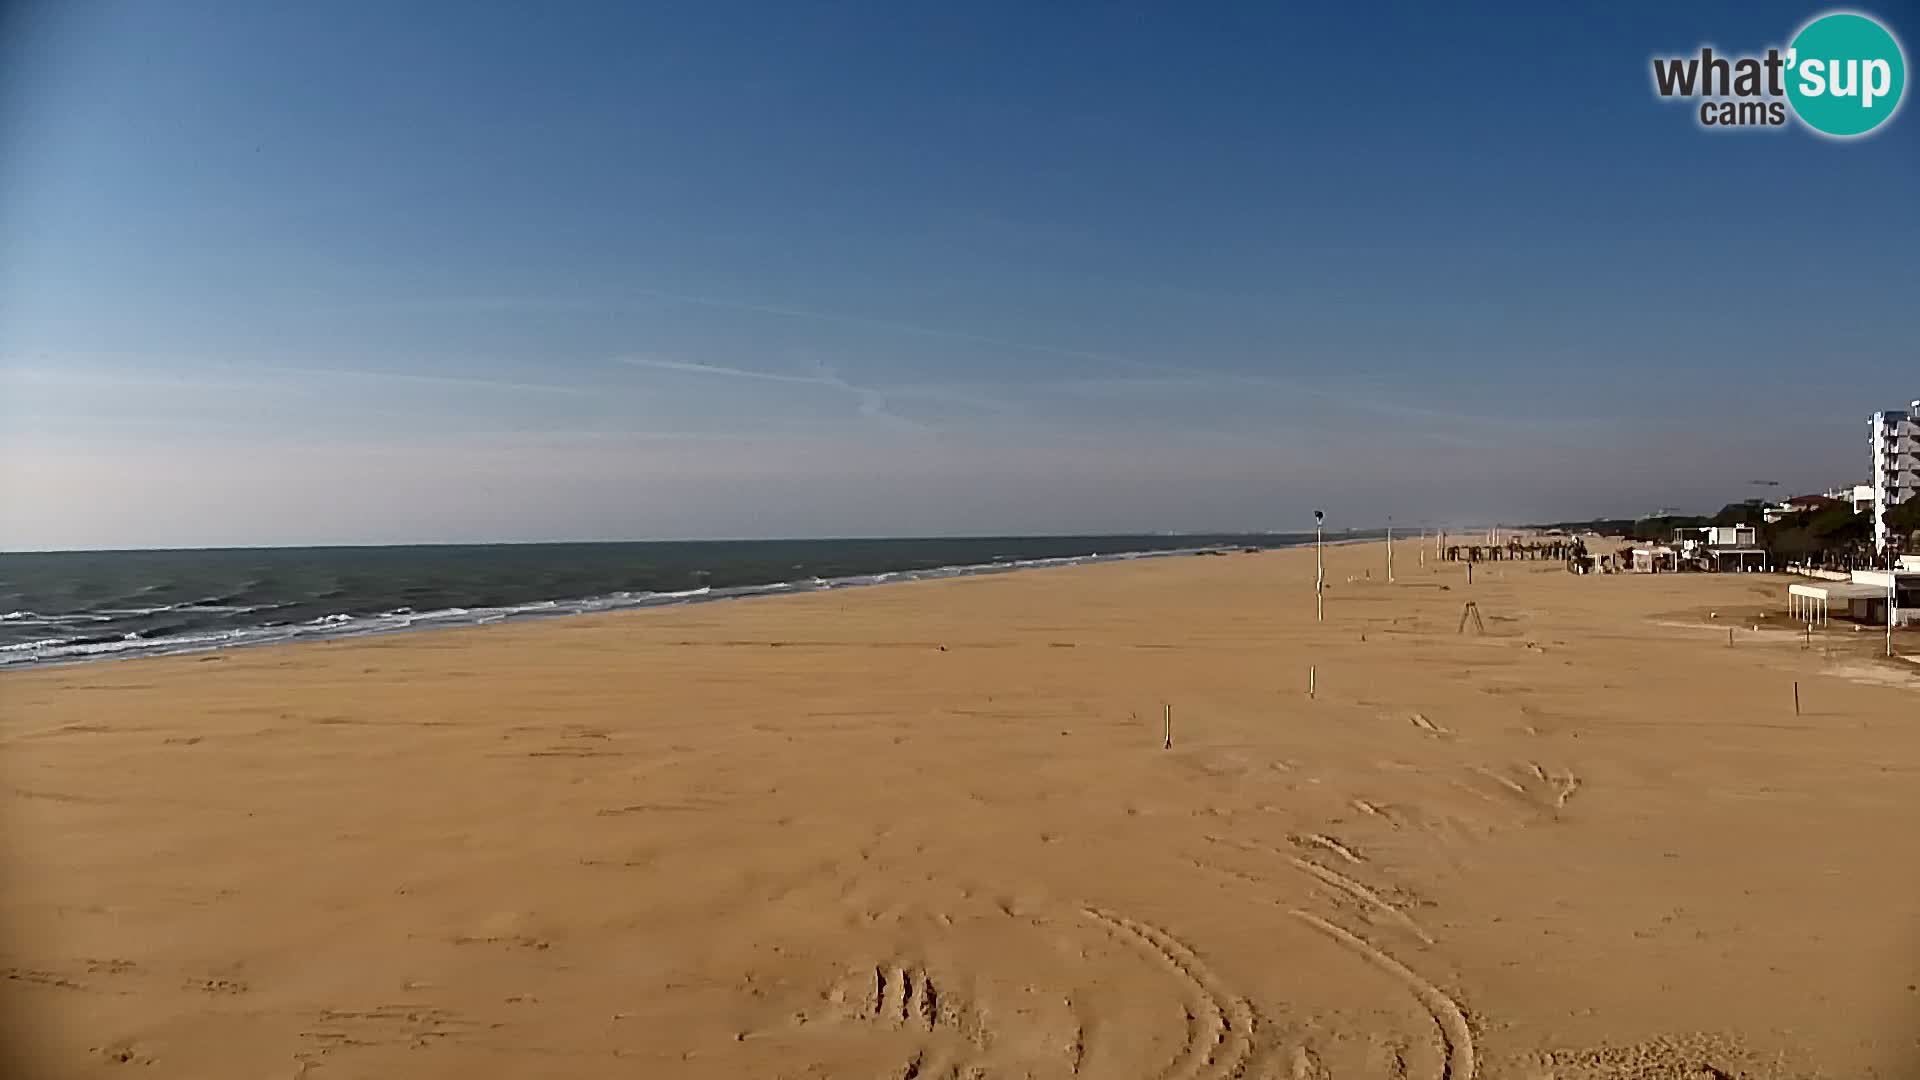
1845	74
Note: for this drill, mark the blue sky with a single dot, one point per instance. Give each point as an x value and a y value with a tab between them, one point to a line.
361	272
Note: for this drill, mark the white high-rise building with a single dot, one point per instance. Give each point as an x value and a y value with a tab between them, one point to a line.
1896	465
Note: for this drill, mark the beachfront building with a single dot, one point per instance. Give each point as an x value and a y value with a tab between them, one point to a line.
1863	597
1817	601
1688	539
1721	548
1800	504
1859	496
1896	466
1736	560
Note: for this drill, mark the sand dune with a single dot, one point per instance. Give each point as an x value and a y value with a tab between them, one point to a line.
931	831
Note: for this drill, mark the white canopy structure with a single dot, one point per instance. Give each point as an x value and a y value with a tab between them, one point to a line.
1813	601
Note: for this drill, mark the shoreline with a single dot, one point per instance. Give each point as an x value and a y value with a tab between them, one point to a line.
406	621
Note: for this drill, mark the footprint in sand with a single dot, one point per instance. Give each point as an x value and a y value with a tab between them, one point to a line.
1329	844
1536	785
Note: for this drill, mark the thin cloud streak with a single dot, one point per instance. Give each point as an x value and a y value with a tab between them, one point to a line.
870	402
235	376
692	367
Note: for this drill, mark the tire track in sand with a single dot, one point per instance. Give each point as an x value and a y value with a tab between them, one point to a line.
1339	882
1219	1030
1454	1031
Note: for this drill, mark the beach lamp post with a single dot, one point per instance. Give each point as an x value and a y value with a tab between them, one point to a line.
1319	568
1891	598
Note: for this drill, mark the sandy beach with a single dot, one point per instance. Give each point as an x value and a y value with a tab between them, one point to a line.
931	830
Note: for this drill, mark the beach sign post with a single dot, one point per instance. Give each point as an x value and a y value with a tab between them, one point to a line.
1892	598
1319	568
1389	549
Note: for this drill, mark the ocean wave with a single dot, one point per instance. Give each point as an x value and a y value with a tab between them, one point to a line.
178	638
46	643
62	619
222	609
209	606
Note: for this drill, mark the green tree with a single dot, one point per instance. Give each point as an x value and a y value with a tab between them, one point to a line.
1661	527
1837	525
1791	541
1740	513
1904	519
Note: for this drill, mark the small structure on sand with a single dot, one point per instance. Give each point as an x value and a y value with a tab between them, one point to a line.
1815	601
1655	559
1862	599
1470	616
1552	550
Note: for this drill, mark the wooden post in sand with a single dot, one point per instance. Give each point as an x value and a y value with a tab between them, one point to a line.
1312	674
1167	718
1469	572
1729	637
1796	697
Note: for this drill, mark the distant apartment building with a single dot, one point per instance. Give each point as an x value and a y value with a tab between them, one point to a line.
1714	547
1728	536
1799	504
1896	465
1860	495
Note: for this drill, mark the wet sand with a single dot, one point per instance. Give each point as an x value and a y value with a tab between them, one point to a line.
931	830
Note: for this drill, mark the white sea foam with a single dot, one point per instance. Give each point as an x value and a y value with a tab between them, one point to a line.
24	646
341	624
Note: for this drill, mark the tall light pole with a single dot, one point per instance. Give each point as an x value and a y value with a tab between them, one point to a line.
1319	569
1891	579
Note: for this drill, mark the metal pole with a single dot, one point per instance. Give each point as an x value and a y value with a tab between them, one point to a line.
1389	549
1890	601
1319	572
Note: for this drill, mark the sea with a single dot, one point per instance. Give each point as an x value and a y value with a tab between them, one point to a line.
71	606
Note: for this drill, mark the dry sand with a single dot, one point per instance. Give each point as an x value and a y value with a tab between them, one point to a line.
930	831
